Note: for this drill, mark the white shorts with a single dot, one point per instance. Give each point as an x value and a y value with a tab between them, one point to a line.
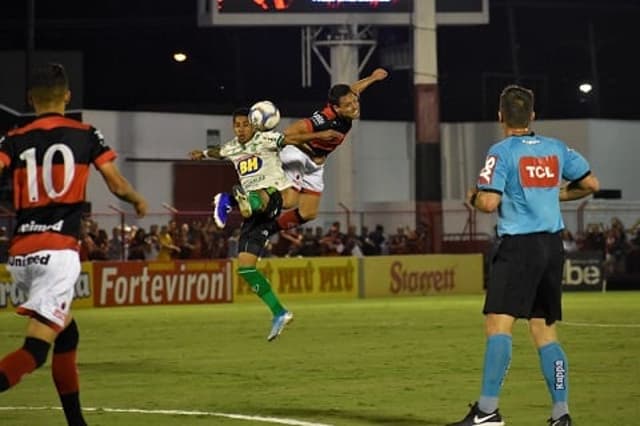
306	175
48	279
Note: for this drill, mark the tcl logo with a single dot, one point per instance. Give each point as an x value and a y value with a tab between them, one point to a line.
541	172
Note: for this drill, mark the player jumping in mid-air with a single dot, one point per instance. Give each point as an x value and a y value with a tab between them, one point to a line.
256	160
304	164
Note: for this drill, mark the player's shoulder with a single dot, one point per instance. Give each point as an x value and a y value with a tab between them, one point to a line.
268	136
322	116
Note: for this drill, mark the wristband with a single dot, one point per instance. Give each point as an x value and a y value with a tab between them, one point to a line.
204	153
472	200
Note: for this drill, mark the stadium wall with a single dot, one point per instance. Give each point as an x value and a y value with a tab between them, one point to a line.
383	165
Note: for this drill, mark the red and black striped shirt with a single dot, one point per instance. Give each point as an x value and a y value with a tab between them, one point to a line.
49	160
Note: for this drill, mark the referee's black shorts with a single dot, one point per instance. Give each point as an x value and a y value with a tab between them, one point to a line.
526	277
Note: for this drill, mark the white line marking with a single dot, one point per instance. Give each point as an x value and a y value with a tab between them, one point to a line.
276	420
588	324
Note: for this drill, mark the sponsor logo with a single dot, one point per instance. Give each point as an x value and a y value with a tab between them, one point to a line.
307	279
539	172
479	420
248	166
40	227
486	174
561	373
35	259
318	119
405	281
118	287
576	272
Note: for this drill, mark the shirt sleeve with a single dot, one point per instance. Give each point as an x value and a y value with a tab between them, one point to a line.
100	152
226	148
575	166
493	176
272	140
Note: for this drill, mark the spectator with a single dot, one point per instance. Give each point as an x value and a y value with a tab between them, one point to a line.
167	247
568	242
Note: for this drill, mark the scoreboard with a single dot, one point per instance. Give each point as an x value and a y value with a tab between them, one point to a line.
335	12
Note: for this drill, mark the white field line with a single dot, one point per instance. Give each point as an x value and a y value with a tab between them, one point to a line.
597	325
263	419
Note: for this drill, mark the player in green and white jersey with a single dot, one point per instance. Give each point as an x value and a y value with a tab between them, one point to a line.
263	185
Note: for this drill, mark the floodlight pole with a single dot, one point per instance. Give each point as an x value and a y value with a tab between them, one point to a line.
344	66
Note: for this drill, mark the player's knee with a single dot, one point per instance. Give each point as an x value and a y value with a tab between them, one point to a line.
68	338
307	216
38	349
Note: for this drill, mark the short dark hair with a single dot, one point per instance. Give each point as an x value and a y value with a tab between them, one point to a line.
516	106
336	92
48	83
240	112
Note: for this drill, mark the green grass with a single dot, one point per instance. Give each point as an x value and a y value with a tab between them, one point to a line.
401	362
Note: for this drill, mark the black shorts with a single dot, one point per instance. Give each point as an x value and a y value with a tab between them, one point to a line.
256	230
526	277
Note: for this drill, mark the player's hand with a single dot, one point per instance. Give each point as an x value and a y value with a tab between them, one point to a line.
330	135
196	155
141	207
379	74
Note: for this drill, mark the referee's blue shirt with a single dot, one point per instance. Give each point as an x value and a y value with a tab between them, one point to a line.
528	171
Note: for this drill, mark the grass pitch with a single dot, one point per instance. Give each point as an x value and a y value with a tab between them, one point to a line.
401	362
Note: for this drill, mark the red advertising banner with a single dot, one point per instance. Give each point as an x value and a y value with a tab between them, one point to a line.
162	283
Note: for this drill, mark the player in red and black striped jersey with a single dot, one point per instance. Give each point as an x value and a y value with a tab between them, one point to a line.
305	167
49	161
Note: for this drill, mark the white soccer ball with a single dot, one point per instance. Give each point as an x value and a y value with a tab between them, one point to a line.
264	115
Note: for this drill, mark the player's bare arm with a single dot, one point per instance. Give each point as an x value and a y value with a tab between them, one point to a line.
485	201
301	138
121	188
213	153
580	189
377	75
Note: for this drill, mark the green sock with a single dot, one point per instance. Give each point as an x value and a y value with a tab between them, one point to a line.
255	201
261	287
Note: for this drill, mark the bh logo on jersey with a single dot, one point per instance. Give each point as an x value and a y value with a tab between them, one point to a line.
539	172
249	165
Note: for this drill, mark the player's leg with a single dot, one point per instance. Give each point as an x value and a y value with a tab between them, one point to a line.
64	370
290	197
50	292
508	297
546	311
32	355
311	182
252	242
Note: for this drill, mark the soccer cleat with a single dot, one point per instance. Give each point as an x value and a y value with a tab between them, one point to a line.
242	198
278	324
478	417
221	208
562	421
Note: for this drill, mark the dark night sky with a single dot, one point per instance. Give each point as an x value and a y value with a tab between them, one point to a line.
127	48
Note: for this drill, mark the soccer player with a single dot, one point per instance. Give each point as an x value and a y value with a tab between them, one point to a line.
304	163
49	161
262	185
522	180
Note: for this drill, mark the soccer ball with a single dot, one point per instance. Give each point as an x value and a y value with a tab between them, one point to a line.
264	115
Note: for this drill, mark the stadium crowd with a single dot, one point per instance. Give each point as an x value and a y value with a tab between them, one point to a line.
619	246
201	239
